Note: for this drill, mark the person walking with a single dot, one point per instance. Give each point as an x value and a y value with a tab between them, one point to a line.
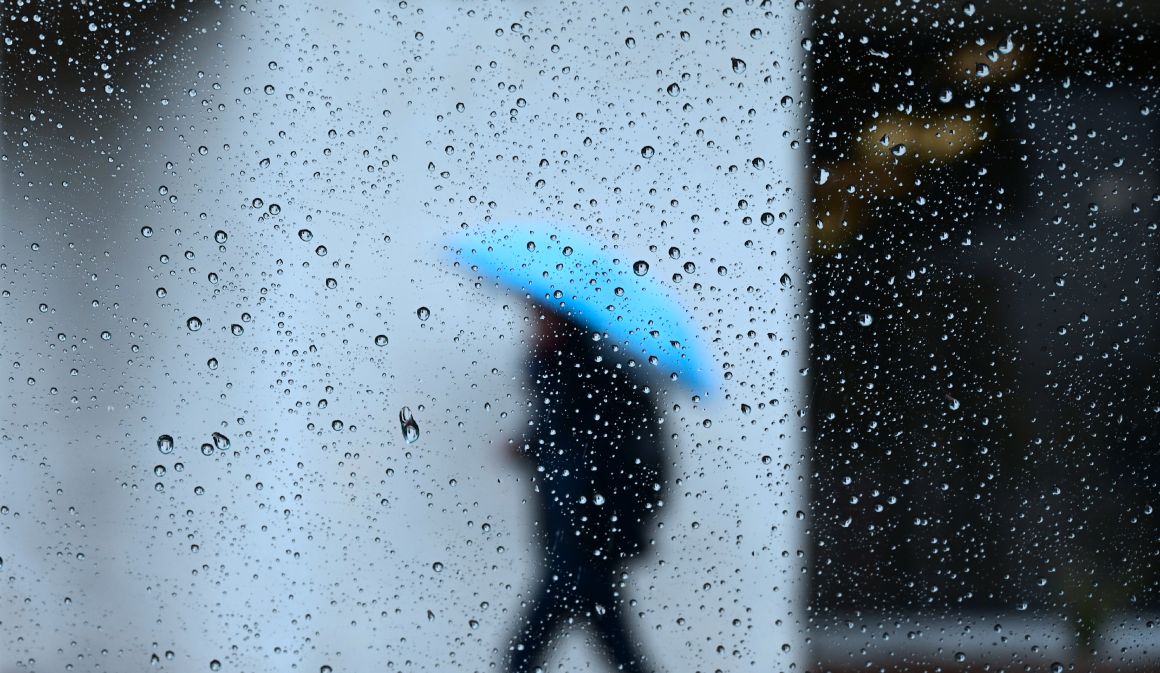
604	329
594	439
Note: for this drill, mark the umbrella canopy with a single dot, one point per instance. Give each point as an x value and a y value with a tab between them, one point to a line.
570	274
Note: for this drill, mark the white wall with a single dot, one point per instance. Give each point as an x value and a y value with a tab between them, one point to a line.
331	563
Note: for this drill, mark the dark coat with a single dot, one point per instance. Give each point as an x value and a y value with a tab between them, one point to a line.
596	441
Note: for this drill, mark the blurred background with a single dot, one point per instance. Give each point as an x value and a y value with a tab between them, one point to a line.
226	276
984	336
919	238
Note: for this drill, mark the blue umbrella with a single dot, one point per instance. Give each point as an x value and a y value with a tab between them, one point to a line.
572	275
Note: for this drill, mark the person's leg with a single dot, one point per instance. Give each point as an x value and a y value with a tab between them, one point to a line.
545	613
612	627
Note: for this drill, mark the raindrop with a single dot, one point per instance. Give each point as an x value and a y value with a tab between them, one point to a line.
786	281
437	567
161	292
236	329
331	283
640	267
409	426
675	252
165	444
220	236
531	246
423	313
738	66
207	449
159	470
865	320
221	442
194	323
215	665
647	151
320	251
381	340
212	363
146	231
305	234
674	89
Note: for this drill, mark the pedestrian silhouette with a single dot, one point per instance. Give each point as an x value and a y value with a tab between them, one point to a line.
595	441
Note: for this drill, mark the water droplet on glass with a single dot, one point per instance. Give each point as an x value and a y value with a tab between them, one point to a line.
212	363
640	267
146	231
305	234
409	426
194	323
207	449
215	665
236	329
220	236
331	283
531	246
674	89
159	470
423	313
865	320
647	151
437	567
165	444
221	442
738	66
